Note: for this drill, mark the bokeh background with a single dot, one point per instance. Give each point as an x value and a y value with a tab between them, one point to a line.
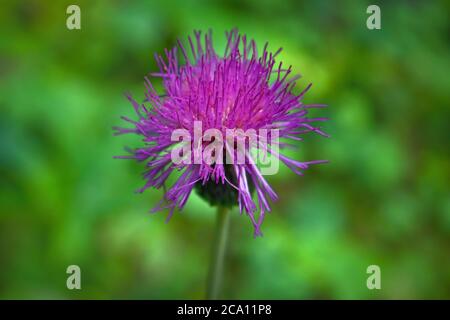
383	199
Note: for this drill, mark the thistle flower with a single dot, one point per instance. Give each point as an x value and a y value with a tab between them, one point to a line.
239	89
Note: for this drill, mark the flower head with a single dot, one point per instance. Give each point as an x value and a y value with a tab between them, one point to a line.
240	89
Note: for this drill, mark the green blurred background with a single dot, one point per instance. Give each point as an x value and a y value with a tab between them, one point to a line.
383	198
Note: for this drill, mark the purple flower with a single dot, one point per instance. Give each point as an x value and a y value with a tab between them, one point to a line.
239	89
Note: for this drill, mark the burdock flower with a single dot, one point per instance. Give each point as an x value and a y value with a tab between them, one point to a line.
240	89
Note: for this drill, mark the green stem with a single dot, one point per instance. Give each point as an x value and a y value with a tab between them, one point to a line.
218	254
